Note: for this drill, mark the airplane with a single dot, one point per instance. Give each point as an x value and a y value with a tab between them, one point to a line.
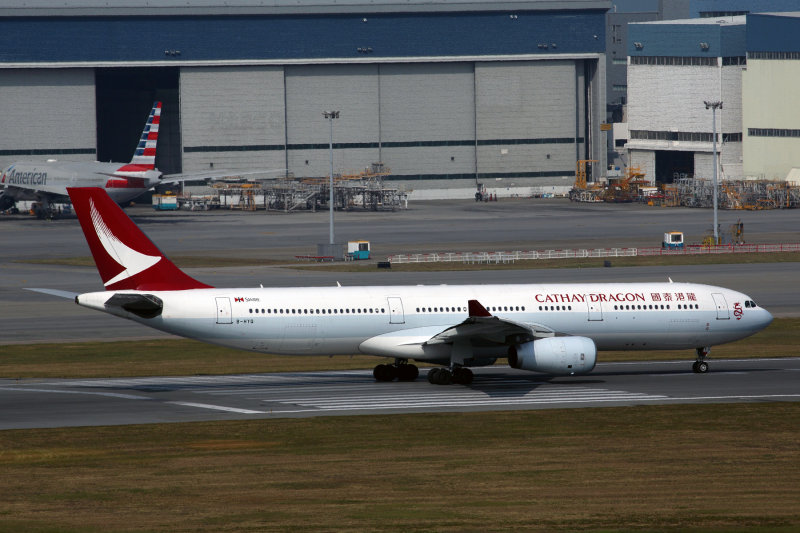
557	329
47	182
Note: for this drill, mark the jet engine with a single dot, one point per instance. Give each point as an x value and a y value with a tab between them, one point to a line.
6	202
555	355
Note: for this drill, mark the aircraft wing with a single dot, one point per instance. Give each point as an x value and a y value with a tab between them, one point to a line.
481	327
222	174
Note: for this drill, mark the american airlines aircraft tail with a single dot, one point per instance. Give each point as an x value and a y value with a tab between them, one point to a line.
144	157
552	328
46	182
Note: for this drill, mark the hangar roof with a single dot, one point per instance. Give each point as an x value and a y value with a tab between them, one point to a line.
198	36
709	37
49	8
773	32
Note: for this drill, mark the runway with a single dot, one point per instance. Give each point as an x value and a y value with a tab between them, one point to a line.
100	402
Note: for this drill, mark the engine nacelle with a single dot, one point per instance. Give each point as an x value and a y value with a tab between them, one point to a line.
555	355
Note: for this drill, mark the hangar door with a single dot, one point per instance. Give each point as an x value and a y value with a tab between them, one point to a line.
428	119
528	116
232	118
672	165
350	89
47	113
125	96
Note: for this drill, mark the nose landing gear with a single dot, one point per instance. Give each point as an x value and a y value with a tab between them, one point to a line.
700	366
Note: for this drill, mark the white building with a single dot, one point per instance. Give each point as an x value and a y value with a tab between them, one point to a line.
673	68
771	96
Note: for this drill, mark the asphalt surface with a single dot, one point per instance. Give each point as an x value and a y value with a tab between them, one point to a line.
95	402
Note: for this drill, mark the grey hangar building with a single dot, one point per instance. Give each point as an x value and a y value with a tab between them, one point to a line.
447	94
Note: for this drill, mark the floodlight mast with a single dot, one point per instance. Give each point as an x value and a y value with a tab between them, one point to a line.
713	106
329	116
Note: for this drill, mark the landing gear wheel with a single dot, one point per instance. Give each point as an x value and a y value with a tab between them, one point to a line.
700	367
440	376
462	376
407	372
385	372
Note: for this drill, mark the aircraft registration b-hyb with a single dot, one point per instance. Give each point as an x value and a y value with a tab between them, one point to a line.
551	328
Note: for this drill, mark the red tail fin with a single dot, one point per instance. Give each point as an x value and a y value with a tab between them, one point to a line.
125	257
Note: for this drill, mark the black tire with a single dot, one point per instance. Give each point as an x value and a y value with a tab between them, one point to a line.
384	373
465	376
433	374
444	377
702	367
694	367
407	372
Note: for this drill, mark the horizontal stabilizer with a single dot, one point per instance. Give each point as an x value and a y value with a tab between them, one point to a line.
55	292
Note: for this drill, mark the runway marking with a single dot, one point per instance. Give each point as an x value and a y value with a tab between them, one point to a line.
57	391
463	398
569	401
219	408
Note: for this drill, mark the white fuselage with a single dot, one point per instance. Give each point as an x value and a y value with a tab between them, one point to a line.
39	181
395	321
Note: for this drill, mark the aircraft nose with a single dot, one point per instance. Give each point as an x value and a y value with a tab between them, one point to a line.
765	318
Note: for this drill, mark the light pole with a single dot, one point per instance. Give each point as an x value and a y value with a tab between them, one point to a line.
329	116
713	106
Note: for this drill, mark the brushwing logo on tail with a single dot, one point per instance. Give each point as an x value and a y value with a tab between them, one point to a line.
132	261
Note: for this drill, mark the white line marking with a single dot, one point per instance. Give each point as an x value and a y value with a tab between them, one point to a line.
219	408
56	391
555	403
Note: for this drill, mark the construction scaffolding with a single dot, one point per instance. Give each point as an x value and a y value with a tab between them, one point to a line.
363	190
738	194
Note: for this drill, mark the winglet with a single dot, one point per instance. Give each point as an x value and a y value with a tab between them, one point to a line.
476	309
125	257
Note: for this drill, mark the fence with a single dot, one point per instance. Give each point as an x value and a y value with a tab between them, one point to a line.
510	257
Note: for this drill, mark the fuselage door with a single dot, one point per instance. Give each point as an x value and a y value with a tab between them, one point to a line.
595	310
396	315
224	310
722	306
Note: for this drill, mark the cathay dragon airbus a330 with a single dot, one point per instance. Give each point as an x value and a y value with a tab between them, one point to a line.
551	328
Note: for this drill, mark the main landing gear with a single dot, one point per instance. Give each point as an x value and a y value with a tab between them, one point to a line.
401	370
700	366
442	376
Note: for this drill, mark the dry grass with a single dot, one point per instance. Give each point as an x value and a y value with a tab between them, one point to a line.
186	357
658	468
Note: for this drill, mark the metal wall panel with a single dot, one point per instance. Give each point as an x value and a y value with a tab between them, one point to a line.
350	89
232	118
47	113
526	118
427	119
